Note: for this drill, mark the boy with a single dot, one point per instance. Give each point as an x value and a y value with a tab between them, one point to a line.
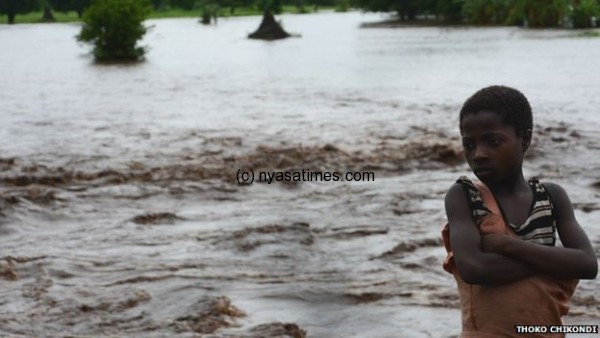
501	232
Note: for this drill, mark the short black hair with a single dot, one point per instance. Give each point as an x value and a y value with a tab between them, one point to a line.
508	102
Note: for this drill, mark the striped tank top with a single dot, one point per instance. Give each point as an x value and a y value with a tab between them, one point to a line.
540	226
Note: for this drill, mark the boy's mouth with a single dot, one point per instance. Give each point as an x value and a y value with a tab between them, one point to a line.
482	171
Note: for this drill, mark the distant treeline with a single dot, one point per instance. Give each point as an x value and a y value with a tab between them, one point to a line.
11	8
529	13
231	5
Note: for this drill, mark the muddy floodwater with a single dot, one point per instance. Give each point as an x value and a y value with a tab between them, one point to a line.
120	214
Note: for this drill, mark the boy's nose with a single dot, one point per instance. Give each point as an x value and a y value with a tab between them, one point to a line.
480	154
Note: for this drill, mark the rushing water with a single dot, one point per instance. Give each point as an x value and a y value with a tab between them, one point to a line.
119	210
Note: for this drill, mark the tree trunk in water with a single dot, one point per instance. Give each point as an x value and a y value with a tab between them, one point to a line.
48	16
205	17
269	29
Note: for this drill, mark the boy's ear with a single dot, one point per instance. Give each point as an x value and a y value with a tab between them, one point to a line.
526	139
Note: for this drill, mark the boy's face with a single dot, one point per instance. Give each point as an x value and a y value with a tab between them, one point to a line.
493	149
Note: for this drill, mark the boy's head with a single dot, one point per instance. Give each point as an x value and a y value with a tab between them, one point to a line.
495	125
509	103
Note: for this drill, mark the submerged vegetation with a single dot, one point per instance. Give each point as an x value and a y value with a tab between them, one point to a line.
114	27
269	29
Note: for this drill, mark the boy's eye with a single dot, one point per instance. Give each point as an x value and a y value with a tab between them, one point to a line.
494	141
468	145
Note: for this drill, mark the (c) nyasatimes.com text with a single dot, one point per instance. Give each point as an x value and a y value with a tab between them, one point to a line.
246	176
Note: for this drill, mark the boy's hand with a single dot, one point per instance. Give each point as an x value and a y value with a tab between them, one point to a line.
494	243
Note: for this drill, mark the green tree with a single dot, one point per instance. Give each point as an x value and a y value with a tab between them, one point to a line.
47	15
486	12
273	6
209	10
114	27
450	11
70	5
583	11
406	9
11	8
232	5
183	4
540	13
160	4
340	4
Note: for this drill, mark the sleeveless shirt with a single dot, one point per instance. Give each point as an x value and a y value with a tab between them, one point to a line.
494	310
540	226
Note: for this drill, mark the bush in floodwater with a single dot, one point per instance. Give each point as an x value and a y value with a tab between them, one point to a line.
209	10
114	27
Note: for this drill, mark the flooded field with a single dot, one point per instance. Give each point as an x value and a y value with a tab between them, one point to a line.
120	211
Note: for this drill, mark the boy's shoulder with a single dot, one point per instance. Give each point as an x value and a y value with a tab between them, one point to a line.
460	184
457	190
552	186
549	186
463	180
557	193
558	196
463	190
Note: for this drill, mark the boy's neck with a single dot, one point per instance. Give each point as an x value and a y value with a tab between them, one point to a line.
509	185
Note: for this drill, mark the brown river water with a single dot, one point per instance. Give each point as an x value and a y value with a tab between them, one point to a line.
120	214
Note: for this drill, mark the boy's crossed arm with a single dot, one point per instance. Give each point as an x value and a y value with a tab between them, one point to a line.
473	264
500	259
575	260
